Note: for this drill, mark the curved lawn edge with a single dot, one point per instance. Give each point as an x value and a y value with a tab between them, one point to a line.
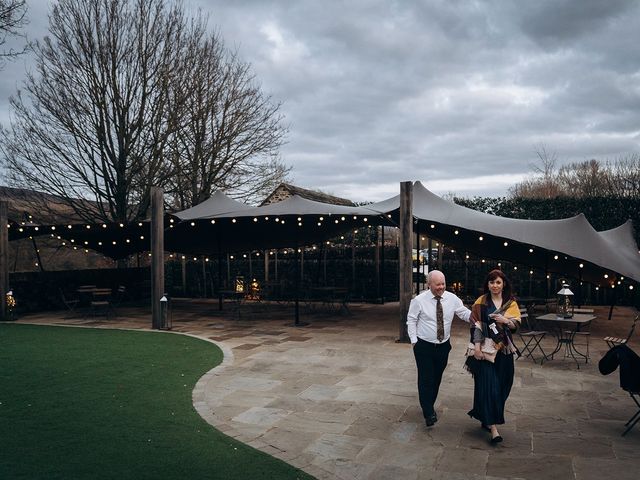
198	392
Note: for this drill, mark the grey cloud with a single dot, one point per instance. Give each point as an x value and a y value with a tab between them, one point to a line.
377	91
560	22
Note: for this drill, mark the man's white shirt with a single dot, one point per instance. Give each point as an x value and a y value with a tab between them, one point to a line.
421	319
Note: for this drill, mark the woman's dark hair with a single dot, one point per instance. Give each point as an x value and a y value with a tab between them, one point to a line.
506	289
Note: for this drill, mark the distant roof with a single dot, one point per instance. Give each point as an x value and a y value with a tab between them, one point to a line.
314	195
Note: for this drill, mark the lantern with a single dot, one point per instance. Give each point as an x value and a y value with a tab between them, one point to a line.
254	290
239	284
565	302
11	304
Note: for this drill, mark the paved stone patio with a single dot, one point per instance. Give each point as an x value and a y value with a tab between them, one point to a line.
338	398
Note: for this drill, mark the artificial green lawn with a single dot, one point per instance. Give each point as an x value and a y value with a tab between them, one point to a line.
89	403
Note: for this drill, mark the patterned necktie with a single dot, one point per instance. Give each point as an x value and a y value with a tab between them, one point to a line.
439	318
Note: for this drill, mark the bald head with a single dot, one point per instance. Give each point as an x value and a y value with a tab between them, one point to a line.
436	282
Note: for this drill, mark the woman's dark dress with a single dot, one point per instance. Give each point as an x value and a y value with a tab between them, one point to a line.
492	385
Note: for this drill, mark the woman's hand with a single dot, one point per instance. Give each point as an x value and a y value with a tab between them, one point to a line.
477	353
502	320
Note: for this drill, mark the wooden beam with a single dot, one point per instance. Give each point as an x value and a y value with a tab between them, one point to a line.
405	257
4	258
157	256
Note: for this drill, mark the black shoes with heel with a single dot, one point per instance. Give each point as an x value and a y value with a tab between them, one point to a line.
431	420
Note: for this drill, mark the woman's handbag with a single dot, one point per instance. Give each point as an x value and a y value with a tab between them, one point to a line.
488	348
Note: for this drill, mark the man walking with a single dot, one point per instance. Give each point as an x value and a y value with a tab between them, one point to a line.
429	328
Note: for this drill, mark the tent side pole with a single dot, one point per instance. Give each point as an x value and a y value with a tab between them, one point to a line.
4	257
157	255
405	258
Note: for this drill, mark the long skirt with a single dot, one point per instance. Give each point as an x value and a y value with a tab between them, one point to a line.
492	385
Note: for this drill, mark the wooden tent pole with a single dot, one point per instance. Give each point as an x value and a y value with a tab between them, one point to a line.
157	255
405	258
4	258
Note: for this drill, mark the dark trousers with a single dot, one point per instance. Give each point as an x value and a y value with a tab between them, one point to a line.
431	360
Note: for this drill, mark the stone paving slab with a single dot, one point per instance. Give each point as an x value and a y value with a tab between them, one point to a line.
338	398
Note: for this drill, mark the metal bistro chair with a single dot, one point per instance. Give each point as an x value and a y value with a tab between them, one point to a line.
119	295
584	335
531	339
629	365
613	341
70	303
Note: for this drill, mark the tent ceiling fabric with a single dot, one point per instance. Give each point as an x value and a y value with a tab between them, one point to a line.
295	221
221	224
570	239
217	204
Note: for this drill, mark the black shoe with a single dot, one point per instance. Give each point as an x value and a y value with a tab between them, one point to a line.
496	439
431	420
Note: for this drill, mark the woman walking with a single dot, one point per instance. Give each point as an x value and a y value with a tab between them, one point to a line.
494	317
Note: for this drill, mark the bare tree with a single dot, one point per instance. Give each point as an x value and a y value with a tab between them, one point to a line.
232	132
624	180
591	178
12	18
585	179
545	184
110	110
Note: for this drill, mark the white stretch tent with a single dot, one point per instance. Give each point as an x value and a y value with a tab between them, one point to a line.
556	245
568	246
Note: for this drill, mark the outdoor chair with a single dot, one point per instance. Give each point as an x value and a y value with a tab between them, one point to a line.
551	305
629	363
531	339
613	341
102	308
70	303
119	295
580	335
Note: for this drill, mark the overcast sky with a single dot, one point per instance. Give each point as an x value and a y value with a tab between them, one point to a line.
457	94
